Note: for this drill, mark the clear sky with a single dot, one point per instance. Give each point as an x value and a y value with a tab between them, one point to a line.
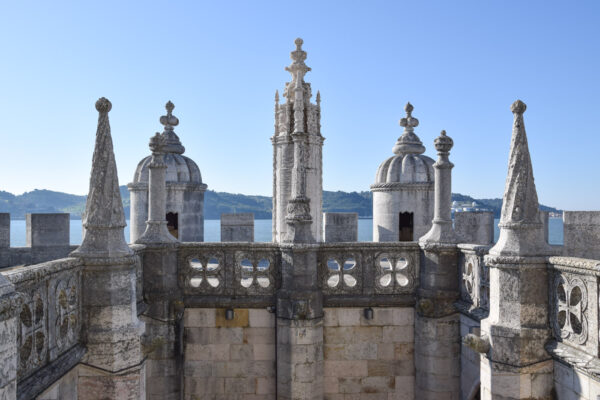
460	63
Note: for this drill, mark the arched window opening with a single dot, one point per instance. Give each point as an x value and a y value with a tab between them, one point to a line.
173	224
406	227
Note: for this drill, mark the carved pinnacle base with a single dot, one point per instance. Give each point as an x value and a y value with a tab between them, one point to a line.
440	232
156	232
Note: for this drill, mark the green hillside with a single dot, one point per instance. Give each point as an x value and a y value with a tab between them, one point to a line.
215	203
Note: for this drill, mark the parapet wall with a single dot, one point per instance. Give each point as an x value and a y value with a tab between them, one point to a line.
47	238
581	234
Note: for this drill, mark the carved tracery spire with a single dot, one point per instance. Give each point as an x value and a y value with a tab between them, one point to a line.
409	142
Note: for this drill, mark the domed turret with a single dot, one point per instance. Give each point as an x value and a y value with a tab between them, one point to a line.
185	189
403	188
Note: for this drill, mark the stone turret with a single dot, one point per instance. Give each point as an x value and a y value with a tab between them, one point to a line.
403	188
184	188
297	148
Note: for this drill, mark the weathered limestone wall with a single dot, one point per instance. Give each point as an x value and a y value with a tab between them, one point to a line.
369	359
388	204
571	384
475	227
187	200
47	239
47	229
581	234
237	227
4	230
63	389
229	359
469	360
340	227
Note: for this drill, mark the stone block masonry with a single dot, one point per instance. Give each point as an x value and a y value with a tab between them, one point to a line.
47	230
229	359
4	230
581	234
369	358
476	227
340	227
237	227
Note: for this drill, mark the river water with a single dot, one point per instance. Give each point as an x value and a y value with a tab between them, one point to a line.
262	231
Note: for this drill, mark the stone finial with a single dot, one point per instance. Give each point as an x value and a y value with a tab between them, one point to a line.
409	142
171	142
409	123
103	219
521	228
169	121
443	144
103	105
298	68
318	98
276	97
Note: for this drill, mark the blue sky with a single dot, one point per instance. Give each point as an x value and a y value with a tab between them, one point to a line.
461	64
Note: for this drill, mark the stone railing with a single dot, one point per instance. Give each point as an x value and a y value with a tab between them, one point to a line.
48	311
248	272
378	273
573	293
474	280
212	274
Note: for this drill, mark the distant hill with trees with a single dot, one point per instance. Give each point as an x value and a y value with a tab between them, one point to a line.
215	203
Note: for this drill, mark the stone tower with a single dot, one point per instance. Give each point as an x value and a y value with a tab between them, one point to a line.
297	116
185	190
403	189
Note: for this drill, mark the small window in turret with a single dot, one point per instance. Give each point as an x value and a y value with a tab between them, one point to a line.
173	224
406	227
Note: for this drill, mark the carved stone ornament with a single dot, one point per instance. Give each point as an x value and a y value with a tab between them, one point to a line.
569	316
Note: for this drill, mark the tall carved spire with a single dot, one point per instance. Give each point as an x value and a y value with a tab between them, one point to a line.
521	227
104	219
409	142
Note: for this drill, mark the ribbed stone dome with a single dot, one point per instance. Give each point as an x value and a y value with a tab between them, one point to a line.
405	168
179	169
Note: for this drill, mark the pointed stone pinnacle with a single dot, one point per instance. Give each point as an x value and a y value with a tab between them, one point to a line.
276	96
103	219
521	228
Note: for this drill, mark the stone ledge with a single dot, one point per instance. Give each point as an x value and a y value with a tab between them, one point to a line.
43	378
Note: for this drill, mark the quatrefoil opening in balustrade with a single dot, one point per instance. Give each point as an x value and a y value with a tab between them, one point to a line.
571	306
394	272
468	280
343	274
204	272
257	273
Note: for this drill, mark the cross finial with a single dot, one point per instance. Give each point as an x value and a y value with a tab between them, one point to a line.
409	123
169	120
